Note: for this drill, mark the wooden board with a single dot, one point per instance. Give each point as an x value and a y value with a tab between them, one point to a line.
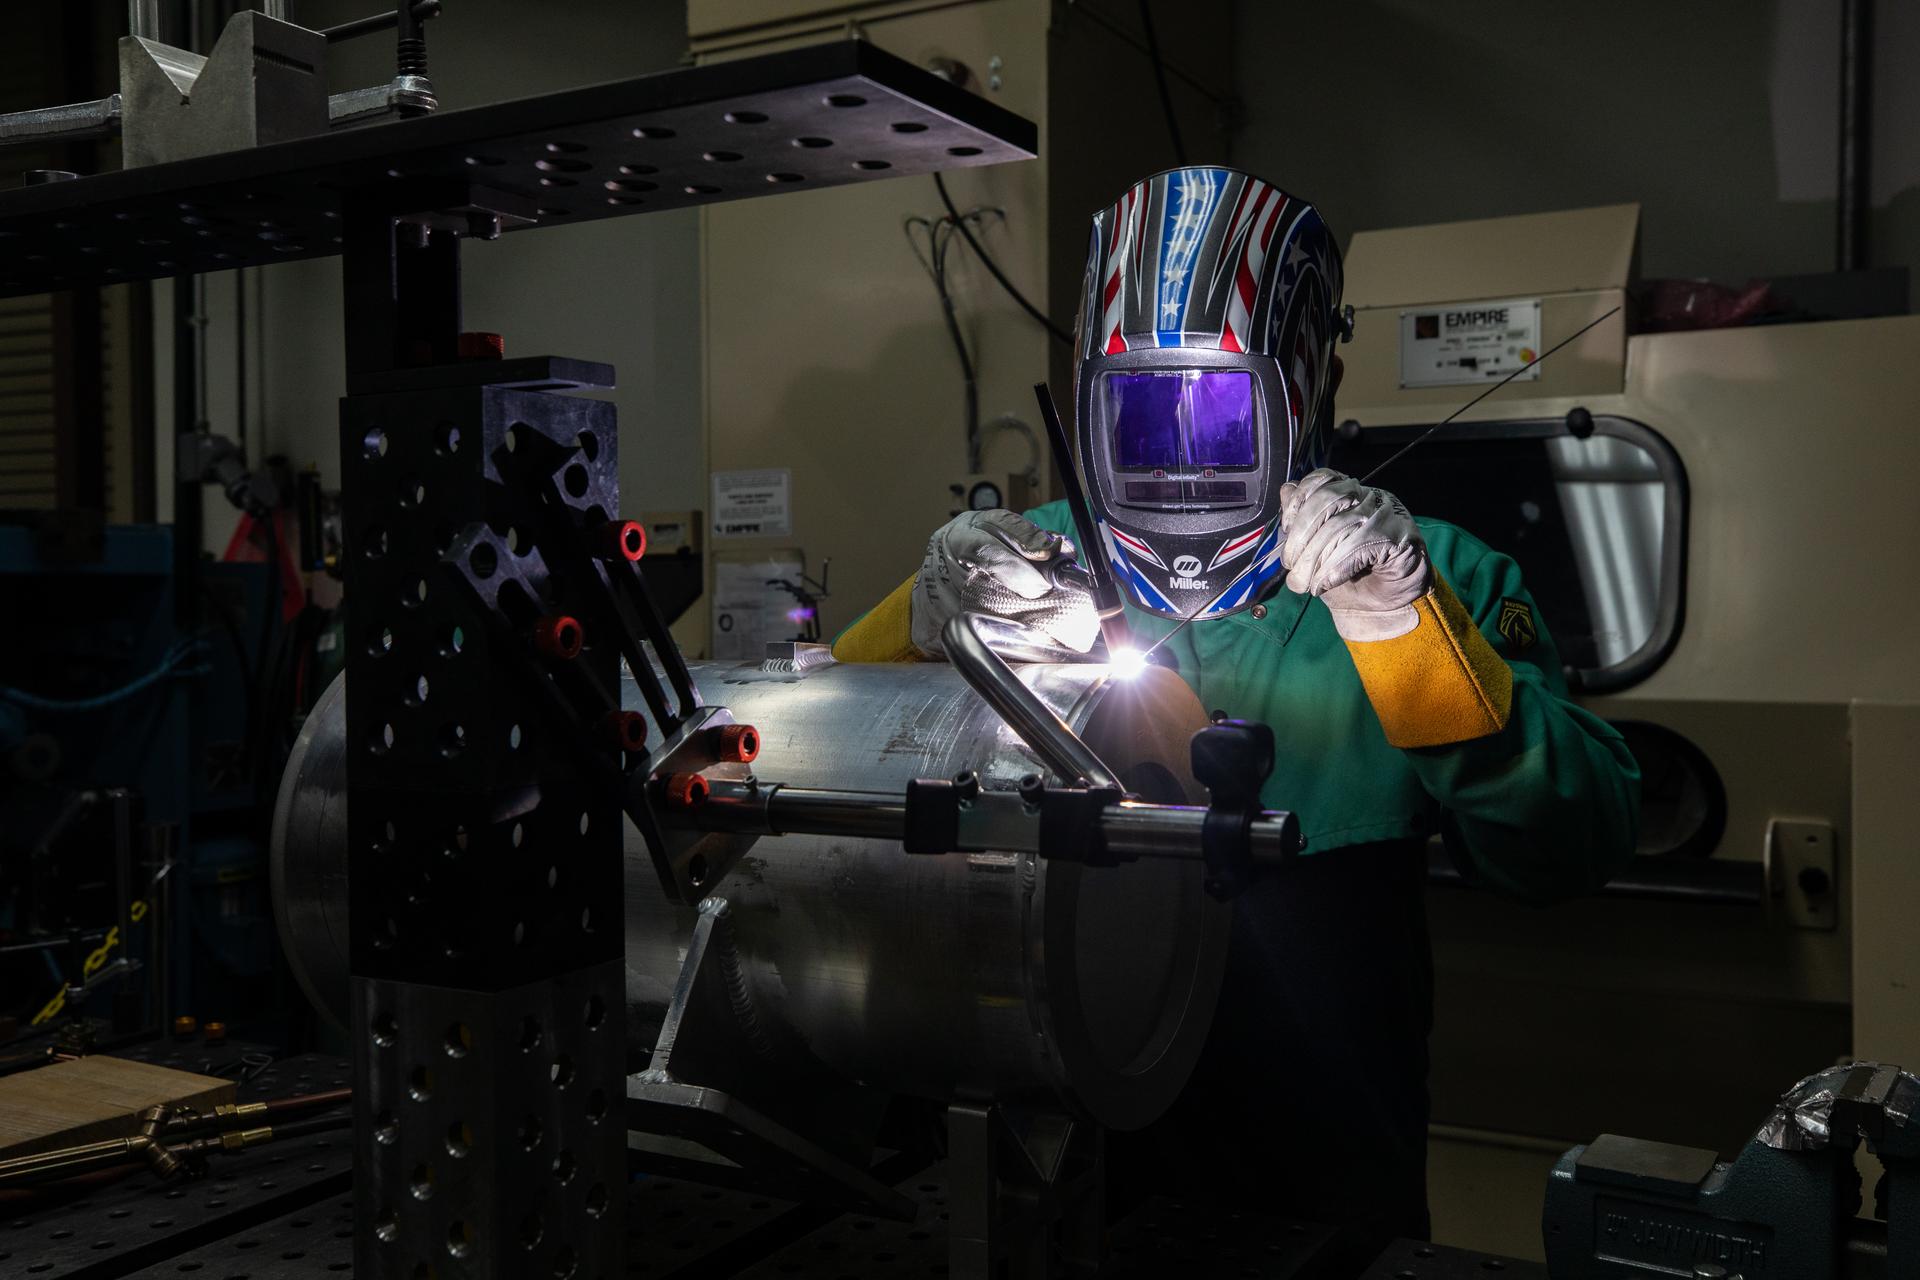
91	1099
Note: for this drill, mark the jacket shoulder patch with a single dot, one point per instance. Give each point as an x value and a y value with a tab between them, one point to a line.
1516	624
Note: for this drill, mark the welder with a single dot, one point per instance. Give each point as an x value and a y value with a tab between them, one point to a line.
1411	684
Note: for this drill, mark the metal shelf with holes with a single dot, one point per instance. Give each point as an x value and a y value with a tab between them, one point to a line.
821	116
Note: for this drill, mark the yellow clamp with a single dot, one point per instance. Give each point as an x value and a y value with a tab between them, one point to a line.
92	965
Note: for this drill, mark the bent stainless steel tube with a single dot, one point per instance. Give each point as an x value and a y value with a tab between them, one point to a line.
1037	724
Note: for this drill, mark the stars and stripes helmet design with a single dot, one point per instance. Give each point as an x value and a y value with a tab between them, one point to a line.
1201	381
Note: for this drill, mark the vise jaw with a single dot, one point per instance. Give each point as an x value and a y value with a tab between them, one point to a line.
264	82
1786	1206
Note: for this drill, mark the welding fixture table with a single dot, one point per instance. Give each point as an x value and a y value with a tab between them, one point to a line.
488	1041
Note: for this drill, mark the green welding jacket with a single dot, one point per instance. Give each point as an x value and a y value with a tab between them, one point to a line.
1545	808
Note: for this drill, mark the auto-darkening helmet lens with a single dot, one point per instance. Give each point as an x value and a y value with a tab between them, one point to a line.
1144	409
1218	412
1183	417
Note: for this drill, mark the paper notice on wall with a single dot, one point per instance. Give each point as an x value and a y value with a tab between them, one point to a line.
753	504
1462	343
749	612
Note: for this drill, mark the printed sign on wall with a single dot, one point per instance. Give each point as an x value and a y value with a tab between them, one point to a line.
753	504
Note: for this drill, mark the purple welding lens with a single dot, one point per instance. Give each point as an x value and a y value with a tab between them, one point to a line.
1144	410
1219	415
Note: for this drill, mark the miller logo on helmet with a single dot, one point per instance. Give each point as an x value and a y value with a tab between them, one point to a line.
1184	570
1201	380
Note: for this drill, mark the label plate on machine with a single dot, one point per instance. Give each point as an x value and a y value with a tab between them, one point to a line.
1457	344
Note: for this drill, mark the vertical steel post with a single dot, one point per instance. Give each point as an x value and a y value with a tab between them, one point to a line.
143	19
1854	196
484	874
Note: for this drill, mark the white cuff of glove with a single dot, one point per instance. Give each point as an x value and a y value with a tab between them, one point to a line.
1374	624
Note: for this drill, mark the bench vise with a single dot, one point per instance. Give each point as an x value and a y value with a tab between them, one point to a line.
1787	1206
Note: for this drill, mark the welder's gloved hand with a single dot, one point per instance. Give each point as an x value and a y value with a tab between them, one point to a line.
1357	549
1433	678
1000	563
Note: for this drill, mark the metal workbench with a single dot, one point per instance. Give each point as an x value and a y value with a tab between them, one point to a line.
289	1216
285	1212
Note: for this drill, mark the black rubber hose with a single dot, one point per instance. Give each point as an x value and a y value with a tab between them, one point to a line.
993	268
1160	81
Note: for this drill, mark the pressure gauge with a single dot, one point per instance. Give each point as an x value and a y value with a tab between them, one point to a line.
984	496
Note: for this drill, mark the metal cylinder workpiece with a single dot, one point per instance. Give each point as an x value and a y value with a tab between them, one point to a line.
998	976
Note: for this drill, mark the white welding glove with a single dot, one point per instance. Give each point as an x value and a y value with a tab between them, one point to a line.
1000	563
1357	549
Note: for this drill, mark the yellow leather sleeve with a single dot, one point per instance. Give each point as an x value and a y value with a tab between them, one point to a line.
885	634
1441	682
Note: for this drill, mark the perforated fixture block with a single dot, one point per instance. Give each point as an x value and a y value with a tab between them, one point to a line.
140	1220
492	1144
807	118
478	853
489	1001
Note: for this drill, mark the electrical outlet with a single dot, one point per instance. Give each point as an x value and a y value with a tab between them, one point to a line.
1802	882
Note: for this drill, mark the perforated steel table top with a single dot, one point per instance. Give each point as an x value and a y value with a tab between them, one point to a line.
793	121
686	1231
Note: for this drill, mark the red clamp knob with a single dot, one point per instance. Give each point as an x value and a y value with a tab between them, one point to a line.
481	346
624	538
686	790
558	636
624	730
739	743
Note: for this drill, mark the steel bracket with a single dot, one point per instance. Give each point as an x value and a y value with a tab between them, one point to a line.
1024	1185
683	1117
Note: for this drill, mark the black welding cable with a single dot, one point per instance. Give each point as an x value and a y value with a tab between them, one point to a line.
967	369
240	357
1160	81
259	702
239	642
972	386
936	264
993	268
271	615
939	240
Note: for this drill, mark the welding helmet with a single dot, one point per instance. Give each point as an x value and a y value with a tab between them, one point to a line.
1202	381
